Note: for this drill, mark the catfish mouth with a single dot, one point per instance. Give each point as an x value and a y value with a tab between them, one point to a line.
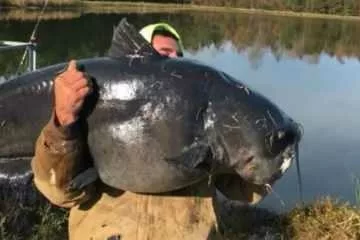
233	187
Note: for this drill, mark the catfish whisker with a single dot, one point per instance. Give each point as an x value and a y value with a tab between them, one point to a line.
269	189
235	118
271	118
299	176
231	127
269	143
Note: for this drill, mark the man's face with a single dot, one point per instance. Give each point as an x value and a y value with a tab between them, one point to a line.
166	46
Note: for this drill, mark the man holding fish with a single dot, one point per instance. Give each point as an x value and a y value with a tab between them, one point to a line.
60	157
100	211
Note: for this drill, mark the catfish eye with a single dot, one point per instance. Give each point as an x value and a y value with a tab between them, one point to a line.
278	140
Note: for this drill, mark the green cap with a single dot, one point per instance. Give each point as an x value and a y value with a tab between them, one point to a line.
148	31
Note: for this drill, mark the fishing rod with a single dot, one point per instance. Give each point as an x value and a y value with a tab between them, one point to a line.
33	37
298	172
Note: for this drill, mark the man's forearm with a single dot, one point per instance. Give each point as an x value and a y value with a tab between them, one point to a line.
59	157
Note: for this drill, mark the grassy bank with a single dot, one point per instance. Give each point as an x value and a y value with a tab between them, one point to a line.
99	6
343	8
38	222
323	219
24	15
39	3
123	6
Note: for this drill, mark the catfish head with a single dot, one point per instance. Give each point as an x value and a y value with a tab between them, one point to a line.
253	140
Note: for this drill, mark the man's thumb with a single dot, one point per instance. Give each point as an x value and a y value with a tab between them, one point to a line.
72	65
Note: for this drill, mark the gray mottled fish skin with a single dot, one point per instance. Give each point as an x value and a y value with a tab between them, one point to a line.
157	124
142	116
24	105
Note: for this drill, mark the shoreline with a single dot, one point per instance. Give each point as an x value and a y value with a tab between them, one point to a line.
144	7
192	7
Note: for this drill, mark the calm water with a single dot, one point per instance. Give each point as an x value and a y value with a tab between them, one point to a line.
308	67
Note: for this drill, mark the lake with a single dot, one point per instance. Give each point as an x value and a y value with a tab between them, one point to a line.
307	66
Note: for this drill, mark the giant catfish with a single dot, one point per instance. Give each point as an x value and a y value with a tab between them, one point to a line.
154	124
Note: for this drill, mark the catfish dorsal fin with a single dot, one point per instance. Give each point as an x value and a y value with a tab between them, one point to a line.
127	42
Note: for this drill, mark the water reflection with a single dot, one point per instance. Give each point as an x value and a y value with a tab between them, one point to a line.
89	34
308	67
323	97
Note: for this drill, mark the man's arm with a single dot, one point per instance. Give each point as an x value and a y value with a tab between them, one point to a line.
59	157
60	153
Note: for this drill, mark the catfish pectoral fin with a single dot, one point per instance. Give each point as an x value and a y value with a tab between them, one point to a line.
197	156
83	179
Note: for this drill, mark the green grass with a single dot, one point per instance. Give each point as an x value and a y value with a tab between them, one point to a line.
40	222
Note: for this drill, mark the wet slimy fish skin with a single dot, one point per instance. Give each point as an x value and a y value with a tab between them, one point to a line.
155	124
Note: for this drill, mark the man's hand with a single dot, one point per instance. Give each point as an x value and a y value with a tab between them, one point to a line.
70	88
